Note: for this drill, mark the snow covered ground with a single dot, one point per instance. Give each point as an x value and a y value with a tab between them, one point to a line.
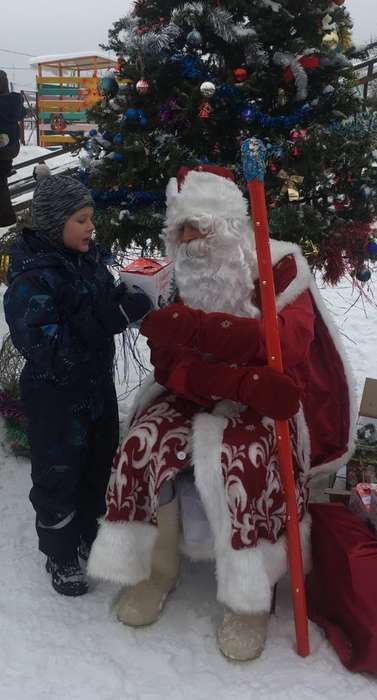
56	648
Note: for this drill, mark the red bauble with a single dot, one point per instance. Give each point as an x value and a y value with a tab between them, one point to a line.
240	74
339	2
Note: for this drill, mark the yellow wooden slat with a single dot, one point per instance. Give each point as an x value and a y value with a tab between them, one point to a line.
61	105
50	140
66	79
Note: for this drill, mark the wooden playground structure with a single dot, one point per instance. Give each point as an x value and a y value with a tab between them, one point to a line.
67	87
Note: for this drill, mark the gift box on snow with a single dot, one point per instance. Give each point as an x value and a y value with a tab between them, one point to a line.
154	277
363	502
362	468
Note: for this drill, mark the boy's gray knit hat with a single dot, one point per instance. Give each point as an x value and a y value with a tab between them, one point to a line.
56	198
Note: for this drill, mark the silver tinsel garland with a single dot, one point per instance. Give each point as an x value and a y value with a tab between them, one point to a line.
301	79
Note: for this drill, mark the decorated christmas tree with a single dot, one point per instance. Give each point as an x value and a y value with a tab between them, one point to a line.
196	78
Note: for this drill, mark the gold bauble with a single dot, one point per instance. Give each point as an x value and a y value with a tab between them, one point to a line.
330	40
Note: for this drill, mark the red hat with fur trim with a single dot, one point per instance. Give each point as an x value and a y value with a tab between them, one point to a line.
214	169
205	192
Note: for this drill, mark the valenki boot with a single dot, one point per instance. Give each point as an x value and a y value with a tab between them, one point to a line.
242	637
142	604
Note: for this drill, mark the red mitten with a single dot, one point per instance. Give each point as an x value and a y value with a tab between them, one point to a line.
177	323
225	336
265	390
231	338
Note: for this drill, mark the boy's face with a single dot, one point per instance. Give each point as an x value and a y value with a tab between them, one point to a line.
78	230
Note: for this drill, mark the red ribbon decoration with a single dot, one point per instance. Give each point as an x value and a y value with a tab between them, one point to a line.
312	62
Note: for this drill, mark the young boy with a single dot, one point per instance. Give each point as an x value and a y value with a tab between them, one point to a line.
63	308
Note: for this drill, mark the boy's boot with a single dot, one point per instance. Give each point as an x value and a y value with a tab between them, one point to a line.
142	604
83	549
241	637
66	576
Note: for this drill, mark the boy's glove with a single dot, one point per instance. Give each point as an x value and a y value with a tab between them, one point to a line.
122	306
266	391
227	337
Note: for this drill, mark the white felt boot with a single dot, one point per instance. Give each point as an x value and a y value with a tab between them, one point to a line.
142	604
242	637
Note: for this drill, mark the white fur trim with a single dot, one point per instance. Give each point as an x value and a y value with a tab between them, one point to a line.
245	577
303	442
275	554
122	552
242	581
204	193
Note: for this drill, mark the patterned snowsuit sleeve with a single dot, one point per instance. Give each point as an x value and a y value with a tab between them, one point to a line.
47	339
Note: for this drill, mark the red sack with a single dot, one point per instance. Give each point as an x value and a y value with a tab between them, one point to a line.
342	586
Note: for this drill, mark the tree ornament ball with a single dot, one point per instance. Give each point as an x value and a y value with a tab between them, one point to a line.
247	114
363	274
108	85
194	39
207	89
339	2
142	87
205	110
330	40
372	249
240	74
131	114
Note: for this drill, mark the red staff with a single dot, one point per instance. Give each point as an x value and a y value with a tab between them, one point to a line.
254	166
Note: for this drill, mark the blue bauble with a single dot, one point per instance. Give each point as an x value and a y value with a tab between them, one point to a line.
108	86
363	274
131	114
372	249
118	157
118	139
366	193
194	39
143	121
93	132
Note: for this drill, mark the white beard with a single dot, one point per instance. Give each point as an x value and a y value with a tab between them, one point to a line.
217	275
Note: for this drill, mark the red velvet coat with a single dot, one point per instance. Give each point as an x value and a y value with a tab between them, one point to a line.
233	449
310	358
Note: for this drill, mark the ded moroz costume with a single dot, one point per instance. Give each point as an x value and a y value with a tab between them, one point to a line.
212	404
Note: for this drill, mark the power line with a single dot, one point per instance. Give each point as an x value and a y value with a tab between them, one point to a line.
19	53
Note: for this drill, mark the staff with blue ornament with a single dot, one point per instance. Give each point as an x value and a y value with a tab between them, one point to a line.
254	164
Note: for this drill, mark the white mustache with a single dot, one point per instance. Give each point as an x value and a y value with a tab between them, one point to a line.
197	248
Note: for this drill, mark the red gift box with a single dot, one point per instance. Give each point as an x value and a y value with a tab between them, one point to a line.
154	277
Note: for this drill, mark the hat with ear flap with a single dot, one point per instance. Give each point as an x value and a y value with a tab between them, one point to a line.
56	198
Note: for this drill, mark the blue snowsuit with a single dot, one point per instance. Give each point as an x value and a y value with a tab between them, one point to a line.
62	309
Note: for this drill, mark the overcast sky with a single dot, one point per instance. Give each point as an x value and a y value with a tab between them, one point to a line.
44	27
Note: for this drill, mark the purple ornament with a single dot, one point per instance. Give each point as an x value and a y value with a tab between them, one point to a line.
247	114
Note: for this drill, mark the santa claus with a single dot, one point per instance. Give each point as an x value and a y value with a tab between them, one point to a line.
211	406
